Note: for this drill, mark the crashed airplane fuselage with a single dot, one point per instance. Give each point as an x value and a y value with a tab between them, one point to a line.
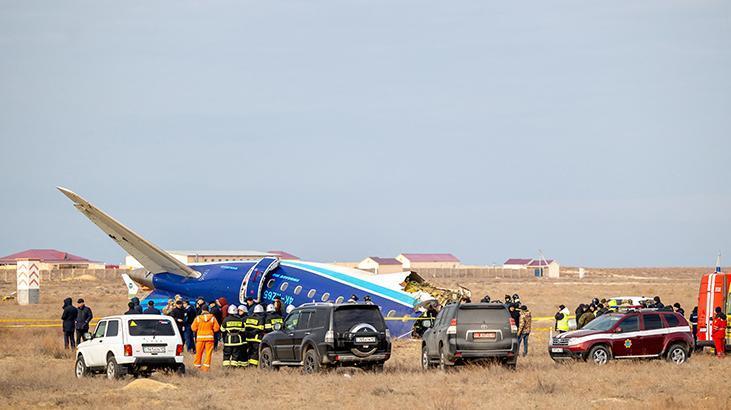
295	282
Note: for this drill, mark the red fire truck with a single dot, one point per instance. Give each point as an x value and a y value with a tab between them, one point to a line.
713	293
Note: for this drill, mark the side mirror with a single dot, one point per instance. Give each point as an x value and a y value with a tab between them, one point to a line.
87	336
277	326
426	323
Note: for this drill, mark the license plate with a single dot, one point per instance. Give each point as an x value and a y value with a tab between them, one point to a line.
484	335
153	349
365	340
556	350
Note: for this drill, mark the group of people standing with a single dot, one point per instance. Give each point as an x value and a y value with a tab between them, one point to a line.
75	320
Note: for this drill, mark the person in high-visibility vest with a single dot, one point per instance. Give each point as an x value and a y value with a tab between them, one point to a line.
272	318
234	338
254	333
204	326
562	319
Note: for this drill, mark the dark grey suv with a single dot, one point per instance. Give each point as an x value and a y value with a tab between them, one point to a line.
321	335
470	332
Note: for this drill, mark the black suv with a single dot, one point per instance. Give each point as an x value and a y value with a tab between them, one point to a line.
320	335
470	332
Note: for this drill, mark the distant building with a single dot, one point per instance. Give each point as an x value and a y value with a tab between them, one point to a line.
517	263
50	259
411	261
206	256
380	265
541	267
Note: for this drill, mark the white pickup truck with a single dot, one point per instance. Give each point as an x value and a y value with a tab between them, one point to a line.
131	344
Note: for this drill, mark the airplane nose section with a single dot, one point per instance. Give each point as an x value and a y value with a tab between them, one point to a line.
143	277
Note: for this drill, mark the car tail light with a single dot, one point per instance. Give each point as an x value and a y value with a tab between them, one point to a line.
337	358
128	350
452	329
513	327
458	354
329	336
179	350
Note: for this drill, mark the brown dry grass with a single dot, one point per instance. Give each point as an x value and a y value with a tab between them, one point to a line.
36	372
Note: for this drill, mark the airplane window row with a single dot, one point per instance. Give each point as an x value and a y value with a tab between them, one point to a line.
312	292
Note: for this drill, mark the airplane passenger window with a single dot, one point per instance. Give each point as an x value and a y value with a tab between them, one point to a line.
340	299
270	283
391	313
325	297
284	286
311	293
297	290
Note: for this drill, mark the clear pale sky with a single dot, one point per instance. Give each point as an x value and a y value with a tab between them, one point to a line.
599	132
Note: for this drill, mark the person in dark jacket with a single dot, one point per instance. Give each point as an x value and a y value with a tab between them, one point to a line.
678	309
190	314
131	308
515	314
178	315
137	307
151	310
69	319
658	304
216	312
694	323
83	317
222	304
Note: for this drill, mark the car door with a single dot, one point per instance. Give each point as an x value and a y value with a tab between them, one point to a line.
440	330
283	347
301	330
97	354
112	337
626	337
653	335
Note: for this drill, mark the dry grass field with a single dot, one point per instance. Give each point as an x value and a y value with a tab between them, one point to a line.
36	372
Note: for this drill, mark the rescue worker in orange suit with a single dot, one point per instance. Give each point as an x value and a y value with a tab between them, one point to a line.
719	333
272	318
234	339
204	326
254	333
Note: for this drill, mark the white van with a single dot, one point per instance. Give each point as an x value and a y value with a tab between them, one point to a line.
131	344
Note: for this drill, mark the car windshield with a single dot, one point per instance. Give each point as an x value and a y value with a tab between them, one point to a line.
151	327
603	322
345	318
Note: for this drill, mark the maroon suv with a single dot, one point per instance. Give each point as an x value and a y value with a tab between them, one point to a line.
642	334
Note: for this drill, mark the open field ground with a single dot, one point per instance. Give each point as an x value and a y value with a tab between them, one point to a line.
36	372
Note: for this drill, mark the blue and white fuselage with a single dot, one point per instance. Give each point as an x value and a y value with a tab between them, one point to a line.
295	282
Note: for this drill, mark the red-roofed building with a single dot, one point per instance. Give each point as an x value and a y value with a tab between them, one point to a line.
427	260
285	255
380	265
52	259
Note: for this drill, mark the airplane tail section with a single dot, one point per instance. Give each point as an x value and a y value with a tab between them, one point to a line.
154	259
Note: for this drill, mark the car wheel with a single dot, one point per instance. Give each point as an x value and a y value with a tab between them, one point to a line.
426	363
677	354
311	364
265	359
599	355
80	369
180	370
114	371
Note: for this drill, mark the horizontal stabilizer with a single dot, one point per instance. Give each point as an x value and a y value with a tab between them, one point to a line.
150	256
